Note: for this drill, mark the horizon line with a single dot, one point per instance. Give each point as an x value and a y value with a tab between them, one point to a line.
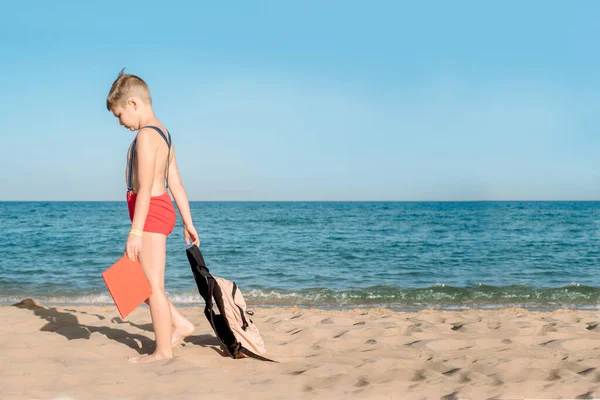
320	201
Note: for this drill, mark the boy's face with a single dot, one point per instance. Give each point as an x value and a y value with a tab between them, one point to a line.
127	116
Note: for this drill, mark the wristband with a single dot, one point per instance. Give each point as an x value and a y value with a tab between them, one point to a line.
135	232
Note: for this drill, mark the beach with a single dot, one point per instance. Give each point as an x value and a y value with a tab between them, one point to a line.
79	352
354	300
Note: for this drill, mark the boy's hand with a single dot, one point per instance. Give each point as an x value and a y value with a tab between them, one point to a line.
189	232
133	247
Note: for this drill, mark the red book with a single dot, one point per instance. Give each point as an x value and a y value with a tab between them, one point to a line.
127	285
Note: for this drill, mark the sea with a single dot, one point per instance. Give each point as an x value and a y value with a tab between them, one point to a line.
405	256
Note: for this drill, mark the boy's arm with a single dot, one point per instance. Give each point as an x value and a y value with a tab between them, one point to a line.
146	159
178	192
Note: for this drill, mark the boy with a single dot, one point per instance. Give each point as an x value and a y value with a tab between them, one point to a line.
151	162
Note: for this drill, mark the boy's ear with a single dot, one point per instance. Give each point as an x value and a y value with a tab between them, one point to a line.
133	102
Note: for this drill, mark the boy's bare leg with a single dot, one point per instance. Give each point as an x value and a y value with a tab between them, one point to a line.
182	327
152	258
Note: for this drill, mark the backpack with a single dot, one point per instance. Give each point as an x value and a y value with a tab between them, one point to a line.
237	334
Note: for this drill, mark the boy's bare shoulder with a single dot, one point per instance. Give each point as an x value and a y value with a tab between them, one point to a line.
148	136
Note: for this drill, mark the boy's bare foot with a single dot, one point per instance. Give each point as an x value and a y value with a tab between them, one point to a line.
149	358
181	333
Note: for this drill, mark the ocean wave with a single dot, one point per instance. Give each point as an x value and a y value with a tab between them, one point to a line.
439	296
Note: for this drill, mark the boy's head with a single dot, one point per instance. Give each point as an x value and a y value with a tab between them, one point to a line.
129	99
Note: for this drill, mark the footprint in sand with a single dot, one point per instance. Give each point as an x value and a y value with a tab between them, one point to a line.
362	381
416	327
451	396
299	372
586	395
548	328
586	371
555	343
493	325
451	372
593	327
340	334
457	326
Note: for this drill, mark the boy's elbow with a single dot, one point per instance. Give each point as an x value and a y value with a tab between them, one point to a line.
175	185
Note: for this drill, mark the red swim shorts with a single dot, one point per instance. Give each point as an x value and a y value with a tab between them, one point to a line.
161	214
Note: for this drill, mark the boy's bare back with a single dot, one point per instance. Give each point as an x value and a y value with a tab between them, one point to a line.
150	141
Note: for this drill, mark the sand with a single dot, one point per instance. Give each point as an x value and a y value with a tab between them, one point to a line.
80	353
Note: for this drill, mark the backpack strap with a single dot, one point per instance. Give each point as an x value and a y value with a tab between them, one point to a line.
200	271
210	291
130	170
197	261
208	311
244	321
248	353
167	139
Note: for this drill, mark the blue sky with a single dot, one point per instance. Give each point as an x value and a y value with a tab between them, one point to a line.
310	100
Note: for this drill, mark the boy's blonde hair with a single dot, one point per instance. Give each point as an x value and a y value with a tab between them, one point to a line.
125	86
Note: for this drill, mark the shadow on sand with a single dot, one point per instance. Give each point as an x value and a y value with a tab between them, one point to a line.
208	341
67	325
